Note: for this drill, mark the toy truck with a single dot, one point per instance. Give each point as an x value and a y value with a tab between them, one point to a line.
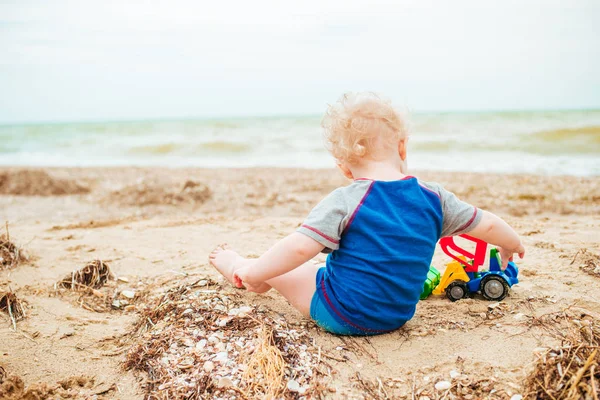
463	278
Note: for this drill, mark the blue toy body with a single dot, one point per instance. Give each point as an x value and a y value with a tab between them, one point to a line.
510	275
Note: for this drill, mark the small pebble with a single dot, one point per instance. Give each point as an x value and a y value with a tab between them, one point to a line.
517	397
454	374
443	385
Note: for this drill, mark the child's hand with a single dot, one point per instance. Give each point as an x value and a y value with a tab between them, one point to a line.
506	255
241	277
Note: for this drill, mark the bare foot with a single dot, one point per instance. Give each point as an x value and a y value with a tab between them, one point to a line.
226	262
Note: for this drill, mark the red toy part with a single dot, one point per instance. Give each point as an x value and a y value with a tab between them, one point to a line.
447	244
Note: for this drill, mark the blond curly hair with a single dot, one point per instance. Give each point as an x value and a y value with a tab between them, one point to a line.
362	125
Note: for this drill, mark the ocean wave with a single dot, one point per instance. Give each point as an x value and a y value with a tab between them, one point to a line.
219	146
163	148
225	147
566	140
590	134
583	140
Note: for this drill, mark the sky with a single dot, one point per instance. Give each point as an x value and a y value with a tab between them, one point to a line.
91	60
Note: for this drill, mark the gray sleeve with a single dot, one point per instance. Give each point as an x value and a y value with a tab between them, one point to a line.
458	216
327	220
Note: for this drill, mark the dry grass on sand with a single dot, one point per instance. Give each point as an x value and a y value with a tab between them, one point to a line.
93	276
570	371
12	306
10	254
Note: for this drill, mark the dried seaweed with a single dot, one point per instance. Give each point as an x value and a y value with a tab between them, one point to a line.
76	387
197	341
154	193
94	275
266	363
11	305
10	254
31	182
572	370
589	262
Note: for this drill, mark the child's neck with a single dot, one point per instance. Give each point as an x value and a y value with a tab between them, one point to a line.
378	171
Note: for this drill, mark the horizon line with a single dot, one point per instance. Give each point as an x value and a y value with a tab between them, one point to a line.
273	116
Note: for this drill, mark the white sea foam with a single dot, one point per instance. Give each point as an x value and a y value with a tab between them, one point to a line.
564	142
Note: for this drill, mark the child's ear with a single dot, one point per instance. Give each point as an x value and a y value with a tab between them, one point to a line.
402	148
346	171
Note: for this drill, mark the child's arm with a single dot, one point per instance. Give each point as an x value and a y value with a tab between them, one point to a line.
289	253
495	231
460	217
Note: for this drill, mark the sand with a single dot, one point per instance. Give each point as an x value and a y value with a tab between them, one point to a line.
159	225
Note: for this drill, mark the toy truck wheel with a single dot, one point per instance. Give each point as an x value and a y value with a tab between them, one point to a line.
457	290
494	288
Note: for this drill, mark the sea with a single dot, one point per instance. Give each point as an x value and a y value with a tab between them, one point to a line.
529	142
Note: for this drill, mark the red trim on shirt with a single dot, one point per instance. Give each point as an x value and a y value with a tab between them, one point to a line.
359	206
465	226
318	232
369	179
344	318
426	188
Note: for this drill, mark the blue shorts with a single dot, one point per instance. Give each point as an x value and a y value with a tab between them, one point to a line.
322	317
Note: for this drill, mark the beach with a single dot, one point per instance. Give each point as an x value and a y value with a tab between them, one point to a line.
155	227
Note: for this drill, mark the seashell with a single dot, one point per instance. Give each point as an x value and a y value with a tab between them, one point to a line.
129	294
221	357
293	386
225	382
187	362
208	366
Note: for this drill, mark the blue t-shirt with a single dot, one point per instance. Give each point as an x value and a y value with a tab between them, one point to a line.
382	236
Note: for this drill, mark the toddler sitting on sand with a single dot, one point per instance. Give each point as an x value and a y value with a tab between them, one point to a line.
381	231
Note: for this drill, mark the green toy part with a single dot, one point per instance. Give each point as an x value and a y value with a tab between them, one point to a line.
433	279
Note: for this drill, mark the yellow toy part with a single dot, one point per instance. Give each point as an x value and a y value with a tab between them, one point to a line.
454	270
